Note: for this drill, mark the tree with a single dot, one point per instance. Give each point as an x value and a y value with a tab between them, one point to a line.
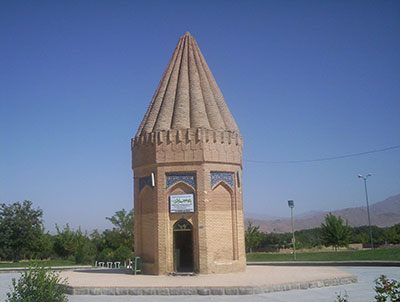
21	230
392	234
74	244
123	229
123	253
309	238
85	252
253	237
334	233
66	241
44	246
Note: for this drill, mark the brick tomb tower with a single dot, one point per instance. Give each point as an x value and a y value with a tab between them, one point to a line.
187	162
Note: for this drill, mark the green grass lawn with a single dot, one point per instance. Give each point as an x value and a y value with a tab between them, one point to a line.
390	254
40	262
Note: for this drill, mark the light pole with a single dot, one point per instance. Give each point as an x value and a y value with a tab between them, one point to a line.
291	206
366	197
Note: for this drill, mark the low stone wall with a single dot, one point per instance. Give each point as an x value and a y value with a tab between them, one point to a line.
181	291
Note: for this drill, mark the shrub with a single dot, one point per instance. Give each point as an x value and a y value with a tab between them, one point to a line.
38	284
386	289
342	297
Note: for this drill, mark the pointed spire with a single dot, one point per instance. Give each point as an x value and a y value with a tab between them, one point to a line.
187	95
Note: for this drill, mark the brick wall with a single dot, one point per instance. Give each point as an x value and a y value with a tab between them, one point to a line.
218	226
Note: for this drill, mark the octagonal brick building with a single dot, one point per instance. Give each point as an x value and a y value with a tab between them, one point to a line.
187	163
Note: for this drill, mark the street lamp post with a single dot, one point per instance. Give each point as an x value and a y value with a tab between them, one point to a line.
366	198
291	206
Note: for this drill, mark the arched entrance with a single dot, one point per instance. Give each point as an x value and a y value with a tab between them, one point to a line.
183	246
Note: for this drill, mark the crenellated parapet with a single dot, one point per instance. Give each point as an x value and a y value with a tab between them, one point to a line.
188	145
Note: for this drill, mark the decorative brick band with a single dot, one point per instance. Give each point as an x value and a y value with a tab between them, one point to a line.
144	181
187	135
189	179
217	177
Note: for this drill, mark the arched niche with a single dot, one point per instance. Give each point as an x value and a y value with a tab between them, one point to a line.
225	185
221	197
147	219
221	222
147	201
180	188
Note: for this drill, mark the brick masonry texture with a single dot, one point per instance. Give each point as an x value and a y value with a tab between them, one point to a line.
188	95
190	141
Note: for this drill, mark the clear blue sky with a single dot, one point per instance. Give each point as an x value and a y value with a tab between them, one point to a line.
303	79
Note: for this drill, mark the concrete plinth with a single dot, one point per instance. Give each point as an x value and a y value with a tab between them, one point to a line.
256	280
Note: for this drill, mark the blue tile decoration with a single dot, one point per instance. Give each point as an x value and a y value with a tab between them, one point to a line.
144	181
217	177
189	179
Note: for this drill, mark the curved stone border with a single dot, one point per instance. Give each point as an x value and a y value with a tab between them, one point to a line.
181	291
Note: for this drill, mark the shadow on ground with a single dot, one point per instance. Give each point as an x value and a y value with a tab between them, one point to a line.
105	271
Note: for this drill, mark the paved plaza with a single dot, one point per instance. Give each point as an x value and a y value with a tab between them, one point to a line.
361	291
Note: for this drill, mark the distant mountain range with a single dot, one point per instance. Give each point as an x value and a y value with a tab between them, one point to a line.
383	214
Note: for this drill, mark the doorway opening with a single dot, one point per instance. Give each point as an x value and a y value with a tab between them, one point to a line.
183	246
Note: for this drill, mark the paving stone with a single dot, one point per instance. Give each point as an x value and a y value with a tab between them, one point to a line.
258	290
190	291
231	291
135	291
70	290
109	291
81	291
217	291
285	287
148	291
328	282
303	285
121	291
162	291
312	284
176	291
246	291
95	291
203	291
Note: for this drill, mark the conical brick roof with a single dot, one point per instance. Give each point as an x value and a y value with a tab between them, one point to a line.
187	95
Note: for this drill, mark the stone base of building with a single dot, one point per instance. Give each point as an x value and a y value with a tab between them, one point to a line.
256	280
